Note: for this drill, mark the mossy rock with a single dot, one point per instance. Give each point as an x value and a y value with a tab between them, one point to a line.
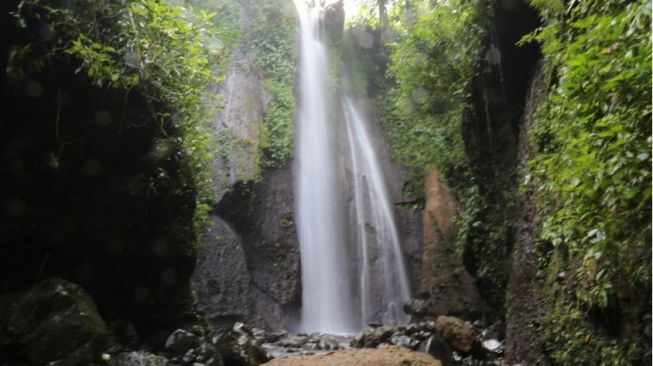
241	350
56	321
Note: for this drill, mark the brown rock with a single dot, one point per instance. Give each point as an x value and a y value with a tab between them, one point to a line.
384	356
416	307
450	287
456	332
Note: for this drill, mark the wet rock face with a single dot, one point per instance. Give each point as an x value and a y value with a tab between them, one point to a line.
449	288
523	343
221	279
238	125
408	221
55	321
248	266
410	234
272	248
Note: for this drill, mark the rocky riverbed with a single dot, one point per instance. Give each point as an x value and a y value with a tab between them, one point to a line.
57	323
450	340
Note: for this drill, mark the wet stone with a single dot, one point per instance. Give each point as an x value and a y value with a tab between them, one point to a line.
293	341
404	341
180	342
371	337
138	358
457	332
493	346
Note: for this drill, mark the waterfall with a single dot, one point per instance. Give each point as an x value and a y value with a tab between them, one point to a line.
383	282
326	295
329	279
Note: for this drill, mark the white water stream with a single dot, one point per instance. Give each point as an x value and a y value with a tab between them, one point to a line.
383	281
326	293
337	298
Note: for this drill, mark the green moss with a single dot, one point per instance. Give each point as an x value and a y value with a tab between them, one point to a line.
287	221
592	178
278	125
432	67
272	42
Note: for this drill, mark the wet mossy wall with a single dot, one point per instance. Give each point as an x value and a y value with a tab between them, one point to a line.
589	182
92	191
490	133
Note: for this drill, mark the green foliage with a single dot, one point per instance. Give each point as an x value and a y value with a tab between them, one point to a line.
438	54
366	15
201	217
272	42
592	169
581	343
278	126
366	64
226	142
167	52
432	65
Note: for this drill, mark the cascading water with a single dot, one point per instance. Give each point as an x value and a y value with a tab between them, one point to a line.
328	277
383	282
326	294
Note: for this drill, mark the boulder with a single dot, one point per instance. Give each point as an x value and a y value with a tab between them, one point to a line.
424	326
55	323
185	348
404	341
371	337
181	341
456	332
328	343
293	341
238	347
